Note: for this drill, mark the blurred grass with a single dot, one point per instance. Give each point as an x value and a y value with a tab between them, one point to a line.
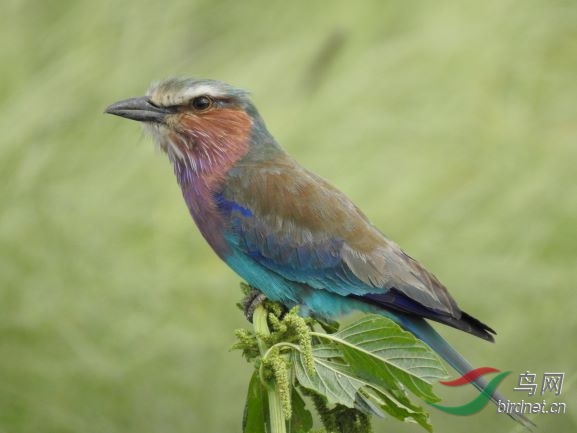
452	124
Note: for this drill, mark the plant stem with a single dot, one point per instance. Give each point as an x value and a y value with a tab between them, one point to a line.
277	420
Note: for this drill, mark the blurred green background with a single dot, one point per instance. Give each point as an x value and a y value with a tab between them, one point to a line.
452	124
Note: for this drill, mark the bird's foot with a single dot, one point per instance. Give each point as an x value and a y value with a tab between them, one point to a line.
253	299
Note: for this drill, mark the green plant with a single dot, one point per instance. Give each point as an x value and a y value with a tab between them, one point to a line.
367	368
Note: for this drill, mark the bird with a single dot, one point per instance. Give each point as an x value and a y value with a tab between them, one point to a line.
286	231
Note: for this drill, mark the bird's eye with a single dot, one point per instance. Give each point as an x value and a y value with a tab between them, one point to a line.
201	103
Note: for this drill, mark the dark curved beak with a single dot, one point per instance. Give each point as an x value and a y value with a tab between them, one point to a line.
140	109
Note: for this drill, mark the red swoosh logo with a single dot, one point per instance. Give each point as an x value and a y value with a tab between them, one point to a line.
470	376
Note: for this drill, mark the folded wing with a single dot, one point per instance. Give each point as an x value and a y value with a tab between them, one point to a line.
297	225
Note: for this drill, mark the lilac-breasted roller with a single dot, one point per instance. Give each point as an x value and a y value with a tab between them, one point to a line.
286	231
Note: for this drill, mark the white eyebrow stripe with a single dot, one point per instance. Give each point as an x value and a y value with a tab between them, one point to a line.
203	89
173	92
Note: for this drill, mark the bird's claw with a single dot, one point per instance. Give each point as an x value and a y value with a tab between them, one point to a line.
252	300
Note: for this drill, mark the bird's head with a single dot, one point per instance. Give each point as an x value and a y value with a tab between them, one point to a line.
202	125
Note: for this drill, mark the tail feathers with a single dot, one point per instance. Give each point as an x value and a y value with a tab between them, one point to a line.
395	300
474	326
422	330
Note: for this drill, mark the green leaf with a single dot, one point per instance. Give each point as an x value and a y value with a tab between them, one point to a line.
380	352
255	409
301	420
400	408
369	365
339	385
332	379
